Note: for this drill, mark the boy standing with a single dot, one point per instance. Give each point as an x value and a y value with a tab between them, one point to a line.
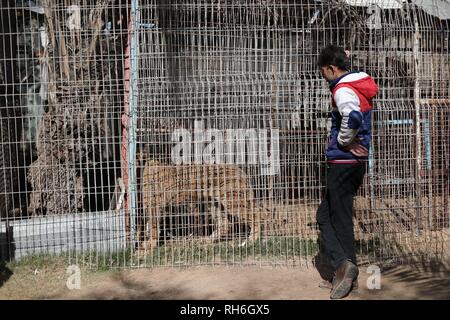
352	94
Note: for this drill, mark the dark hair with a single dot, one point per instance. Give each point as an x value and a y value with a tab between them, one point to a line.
334	55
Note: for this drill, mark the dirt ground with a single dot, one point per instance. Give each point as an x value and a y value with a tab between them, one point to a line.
205	282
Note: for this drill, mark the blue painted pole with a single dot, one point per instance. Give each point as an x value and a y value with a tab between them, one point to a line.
426	125
371	183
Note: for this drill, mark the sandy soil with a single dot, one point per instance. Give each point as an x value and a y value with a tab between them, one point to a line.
207	282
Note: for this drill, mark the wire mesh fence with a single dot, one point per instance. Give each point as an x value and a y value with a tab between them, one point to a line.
149	133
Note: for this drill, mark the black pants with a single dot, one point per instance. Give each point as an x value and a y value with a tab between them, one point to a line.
335	213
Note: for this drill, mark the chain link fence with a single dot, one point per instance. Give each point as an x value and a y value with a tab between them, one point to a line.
156	133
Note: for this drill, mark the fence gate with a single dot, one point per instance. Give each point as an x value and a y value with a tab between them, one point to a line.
150	133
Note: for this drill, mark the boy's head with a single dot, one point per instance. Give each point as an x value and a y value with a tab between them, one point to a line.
333	62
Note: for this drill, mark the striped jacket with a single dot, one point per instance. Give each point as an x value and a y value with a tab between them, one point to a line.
351	115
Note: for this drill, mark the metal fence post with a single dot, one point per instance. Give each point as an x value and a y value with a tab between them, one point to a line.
133	96
418	182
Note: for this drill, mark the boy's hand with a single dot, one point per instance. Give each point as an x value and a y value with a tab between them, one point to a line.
356	148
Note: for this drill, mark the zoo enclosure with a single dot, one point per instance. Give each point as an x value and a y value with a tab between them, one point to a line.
193	132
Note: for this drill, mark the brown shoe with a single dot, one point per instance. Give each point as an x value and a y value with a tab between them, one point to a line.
326	284
343	280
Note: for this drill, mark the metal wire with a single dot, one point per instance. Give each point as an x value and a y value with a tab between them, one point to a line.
149	133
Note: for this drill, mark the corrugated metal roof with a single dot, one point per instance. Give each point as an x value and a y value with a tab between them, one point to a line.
437	8
385	4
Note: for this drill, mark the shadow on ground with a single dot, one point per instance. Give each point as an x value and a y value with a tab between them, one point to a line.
431	280
5	273
128	289
419	279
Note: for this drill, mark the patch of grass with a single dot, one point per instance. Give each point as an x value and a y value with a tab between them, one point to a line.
38	261
185	253
231	251
102	261
369	247
375	249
